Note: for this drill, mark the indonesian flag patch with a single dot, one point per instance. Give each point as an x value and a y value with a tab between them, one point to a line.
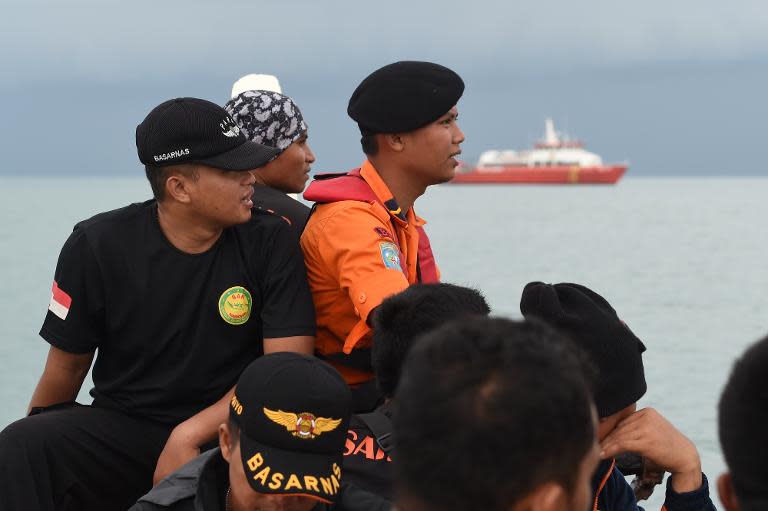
60	301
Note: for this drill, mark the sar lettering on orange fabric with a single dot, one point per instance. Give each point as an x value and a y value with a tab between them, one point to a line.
365	447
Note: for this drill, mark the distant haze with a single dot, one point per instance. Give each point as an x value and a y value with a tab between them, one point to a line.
675	88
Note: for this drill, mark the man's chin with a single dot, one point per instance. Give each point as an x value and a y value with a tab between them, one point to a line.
244	217
449	175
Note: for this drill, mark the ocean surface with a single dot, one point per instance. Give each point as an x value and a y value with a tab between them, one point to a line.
683	261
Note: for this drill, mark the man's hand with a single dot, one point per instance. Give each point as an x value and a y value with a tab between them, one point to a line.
183	445
180	448
648	433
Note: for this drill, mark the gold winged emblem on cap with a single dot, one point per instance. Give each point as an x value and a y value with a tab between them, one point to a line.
303	425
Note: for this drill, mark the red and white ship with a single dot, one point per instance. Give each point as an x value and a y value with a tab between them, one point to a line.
554	160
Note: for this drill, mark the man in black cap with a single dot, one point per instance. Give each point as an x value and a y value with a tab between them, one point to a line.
743	421
279	450
274	119
588	319
178	294
364	241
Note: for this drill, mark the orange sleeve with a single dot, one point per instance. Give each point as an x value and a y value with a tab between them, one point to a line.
367	263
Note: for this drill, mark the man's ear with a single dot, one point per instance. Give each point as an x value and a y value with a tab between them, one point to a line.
545	497
225	441
177	187
727	492
394	141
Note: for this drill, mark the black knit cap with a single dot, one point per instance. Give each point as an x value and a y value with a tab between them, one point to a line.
588	319
404	96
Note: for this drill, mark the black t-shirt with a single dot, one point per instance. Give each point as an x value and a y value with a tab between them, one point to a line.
174	330
275	201
366	465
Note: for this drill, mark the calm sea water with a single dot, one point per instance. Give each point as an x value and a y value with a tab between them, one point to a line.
682	261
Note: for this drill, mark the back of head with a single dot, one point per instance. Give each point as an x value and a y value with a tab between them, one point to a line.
402	318
590	321
743	422
486	411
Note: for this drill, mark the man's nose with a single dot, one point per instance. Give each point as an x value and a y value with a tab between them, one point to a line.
309	156
458	136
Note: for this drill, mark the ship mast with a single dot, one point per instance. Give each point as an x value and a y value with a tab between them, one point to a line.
550	135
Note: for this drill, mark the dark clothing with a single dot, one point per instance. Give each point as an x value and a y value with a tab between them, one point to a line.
366	465
615	494
201	485
79	458
365	396
274	201
169	341
173	331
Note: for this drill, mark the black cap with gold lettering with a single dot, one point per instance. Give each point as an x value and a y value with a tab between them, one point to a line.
293	412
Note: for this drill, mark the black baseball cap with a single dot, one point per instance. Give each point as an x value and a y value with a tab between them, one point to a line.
293	412
404	96
191	130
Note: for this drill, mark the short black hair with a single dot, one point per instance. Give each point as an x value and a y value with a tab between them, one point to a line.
370	144
742	423
157	176
401	318
487	410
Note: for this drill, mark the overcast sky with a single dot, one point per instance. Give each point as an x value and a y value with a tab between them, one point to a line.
672	87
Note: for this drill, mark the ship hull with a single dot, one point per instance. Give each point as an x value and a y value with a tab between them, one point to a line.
606	174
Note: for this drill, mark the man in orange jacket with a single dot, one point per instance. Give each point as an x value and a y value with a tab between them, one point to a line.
364	241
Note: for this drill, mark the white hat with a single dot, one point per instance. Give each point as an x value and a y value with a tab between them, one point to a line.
256	82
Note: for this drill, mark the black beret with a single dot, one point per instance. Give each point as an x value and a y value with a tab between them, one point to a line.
589	320
404	96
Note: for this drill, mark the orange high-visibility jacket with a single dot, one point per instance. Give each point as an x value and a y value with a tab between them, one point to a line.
359	248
